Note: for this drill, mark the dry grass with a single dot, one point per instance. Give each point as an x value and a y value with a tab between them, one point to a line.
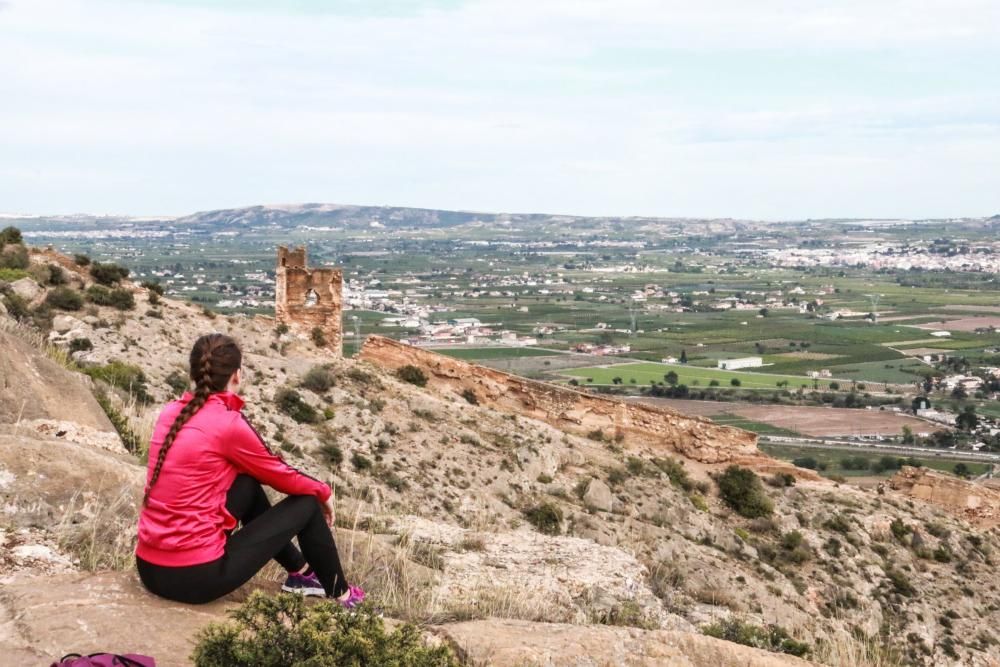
100	534
850	651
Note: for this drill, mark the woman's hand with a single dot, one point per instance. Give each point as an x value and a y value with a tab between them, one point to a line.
328	512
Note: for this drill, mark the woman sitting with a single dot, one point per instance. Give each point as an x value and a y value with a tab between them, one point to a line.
206	468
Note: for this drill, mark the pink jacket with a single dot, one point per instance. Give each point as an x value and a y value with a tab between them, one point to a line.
185	520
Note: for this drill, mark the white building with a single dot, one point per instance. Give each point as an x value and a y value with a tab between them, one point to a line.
742	362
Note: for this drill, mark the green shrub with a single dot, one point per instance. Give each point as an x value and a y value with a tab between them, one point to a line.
14	256
318	379
741	489
360	462
64	298
470	397
412	374
675	472
80	345
546	518
900	583
56	275
291	403
122	376
900	529
119	298
318	337
108	274
130	438
331	453
81	260
284	631
781	480
10	235
153	287
17	306
768	637
10	275
178	382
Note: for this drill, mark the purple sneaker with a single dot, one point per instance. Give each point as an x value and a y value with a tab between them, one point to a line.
355	596
303	584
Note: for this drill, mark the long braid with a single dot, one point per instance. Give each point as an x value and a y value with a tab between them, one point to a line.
203	389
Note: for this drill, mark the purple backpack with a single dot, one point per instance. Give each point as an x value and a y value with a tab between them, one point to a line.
105	660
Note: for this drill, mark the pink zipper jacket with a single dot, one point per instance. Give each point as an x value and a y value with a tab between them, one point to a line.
185	520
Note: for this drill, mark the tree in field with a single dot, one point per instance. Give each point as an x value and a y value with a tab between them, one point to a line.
671	378
684	356
907	438
967	419
961	470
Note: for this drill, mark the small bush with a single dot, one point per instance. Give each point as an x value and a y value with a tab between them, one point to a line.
17	307
108	274
360	462
331	453
14	257
291	403
741	489
80	345
64	298
675	472
153	287
318	337
781	480
318	379
10	235
81	260
900	584
470	397
546	518
56	275
121	299
412	374
178	382
122	376
768	637
283	631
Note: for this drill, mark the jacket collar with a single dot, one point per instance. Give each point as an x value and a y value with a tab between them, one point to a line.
229	399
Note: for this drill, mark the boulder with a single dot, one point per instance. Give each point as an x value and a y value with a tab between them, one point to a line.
26	288
510	642
40	621
599	496
65	323
33	386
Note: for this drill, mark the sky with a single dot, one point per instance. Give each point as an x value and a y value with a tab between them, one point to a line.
771	109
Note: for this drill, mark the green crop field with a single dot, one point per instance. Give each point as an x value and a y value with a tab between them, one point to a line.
833	457
644	373
726	419
493	352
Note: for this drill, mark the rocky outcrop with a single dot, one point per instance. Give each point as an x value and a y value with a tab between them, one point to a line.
307	299
978	504
508	642
43	619
570	410
34	387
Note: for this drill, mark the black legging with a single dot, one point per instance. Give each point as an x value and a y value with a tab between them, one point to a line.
266	532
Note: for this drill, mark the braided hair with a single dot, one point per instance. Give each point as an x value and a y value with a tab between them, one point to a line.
214	359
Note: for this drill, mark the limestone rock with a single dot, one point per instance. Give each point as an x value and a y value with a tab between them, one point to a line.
65	323
509	642
32	386
42	620
26	288
599	496
976	503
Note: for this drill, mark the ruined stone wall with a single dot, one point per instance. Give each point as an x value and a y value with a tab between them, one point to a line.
570	410
307	298
978	504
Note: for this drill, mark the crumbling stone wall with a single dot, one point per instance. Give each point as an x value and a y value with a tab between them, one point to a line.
570	410
978	504
305	298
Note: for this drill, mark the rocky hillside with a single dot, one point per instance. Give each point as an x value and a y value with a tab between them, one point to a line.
457	514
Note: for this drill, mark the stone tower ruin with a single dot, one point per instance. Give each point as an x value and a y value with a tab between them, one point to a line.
306	299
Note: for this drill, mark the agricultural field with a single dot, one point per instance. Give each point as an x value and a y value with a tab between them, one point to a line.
644	373
833	458
487	353
802	420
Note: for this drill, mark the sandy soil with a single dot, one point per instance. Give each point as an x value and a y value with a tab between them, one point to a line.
807	420
962	324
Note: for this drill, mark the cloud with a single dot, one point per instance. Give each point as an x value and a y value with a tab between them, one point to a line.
767	109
